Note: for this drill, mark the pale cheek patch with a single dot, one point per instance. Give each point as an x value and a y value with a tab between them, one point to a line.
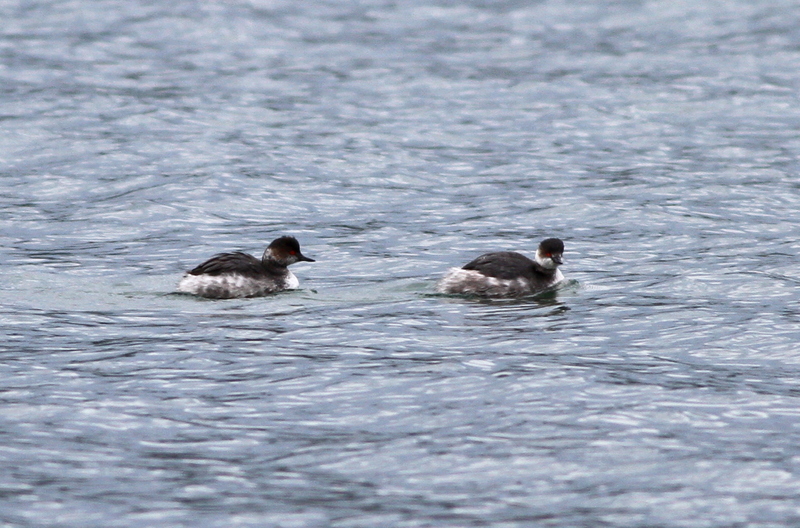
545	262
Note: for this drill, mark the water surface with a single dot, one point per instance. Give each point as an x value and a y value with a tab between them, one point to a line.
658	387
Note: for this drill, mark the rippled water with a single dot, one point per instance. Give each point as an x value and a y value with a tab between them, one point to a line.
658	387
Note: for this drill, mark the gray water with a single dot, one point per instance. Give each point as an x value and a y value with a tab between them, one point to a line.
659	387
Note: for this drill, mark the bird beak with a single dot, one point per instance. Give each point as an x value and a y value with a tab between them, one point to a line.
304	258
557	259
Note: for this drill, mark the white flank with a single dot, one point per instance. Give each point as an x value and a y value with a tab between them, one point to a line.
471	282
228	286
291	282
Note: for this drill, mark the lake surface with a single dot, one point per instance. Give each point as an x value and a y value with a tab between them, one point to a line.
659	387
